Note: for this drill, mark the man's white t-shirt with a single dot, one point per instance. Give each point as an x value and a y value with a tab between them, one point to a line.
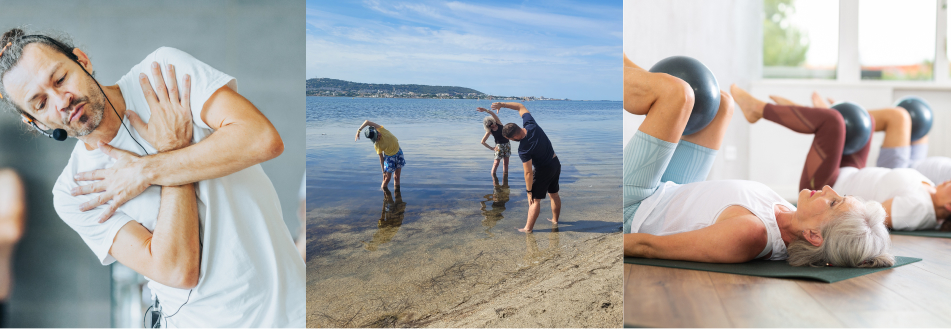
251	272
912	208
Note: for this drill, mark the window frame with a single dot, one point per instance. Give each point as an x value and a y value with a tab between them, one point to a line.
848	68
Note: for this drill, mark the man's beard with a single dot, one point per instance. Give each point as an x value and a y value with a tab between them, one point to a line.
90	120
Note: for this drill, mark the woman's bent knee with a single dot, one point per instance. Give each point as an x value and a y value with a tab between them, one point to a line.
677	91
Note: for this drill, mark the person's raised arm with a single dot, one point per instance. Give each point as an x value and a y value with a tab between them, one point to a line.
510	105
364	125
496	117
731	240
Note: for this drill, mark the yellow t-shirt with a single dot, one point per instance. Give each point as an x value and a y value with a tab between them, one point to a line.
387	143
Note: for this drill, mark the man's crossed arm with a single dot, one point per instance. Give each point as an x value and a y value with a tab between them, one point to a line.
243	137
171	253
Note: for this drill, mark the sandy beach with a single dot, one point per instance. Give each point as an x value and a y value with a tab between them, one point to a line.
538	280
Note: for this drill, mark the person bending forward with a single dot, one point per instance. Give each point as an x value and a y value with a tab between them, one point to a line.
535	150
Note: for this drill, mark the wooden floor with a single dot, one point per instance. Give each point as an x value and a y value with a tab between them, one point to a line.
914	295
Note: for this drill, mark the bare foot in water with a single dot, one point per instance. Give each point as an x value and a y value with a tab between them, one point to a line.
817	101
553	221
752	108
782	100
524	230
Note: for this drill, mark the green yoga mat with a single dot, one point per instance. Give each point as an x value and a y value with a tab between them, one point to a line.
773	269
929	233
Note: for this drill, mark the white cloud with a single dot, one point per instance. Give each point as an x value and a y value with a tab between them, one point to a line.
501	51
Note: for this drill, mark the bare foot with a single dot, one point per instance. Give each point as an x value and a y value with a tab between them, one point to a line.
524	230
817	101
782	100
553	221
752	108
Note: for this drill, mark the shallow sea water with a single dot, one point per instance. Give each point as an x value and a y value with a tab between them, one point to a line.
445	242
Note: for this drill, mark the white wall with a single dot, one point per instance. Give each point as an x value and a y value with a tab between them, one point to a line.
725	35
779	153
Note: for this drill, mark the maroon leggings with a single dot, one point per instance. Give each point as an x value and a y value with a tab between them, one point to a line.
825	155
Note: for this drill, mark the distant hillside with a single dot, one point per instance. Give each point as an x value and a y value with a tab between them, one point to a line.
335	87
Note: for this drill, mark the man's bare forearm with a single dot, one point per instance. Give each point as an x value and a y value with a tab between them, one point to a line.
230	149
528	180
516	106
175	241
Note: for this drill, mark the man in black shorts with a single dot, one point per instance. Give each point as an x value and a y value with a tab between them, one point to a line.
534	149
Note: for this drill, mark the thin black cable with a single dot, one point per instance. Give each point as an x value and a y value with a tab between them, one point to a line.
121	121
187	298
145	314
65	49
180	306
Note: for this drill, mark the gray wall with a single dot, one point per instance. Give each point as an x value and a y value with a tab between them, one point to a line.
59	282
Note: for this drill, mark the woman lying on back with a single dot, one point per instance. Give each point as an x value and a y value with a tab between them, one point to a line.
671	213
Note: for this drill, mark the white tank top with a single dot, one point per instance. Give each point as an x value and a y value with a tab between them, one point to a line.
676	208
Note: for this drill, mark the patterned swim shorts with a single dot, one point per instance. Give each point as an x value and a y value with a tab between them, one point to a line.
393	162
503	151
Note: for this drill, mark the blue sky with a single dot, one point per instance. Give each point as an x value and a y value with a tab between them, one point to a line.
558	49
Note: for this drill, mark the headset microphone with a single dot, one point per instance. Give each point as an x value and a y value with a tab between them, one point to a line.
58	134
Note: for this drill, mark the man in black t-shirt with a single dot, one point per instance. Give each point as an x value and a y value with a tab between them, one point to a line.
534	148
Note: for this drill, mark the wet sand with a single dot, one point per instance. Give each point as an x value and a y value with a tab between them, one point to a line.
538	281
443	250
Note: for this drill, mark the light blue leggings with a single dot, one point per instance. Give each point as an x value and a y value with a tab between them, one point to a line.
901	157
648	161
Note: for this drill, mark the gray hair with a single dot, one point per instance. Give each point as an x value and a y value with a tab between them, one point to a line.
14	41
488	121
852	238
